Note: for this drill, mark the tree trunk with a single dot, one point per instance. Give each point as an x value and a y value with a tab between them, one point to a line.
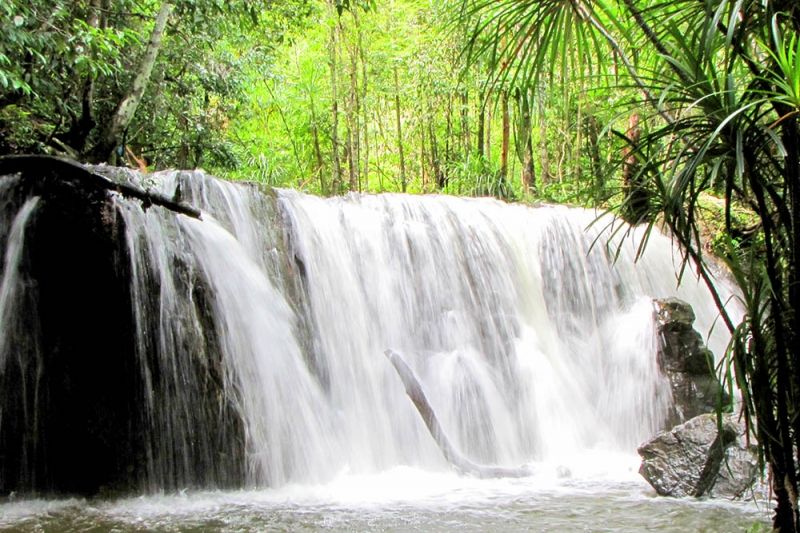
106	148
403	183
354	116
488	151
438	175
524	140
543	152
450	452
506	136
83	125
448	155
365	122
465	137
423	157
481	142
348	151
637	198
182	156
337	167
592	138
575	153
317	149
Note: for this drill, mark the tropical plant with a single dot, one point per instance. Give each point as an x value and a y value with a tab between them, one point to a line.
714	86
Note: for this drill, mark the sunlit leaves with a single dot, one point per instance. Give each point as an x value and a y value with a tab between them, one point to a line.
785	77
527	42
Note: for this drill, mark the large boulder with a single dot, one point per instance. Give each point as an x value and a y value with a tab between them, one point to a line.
687	363
701	458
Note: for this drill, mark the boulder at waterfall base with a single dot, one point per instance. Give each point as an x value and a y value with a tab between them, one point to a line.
700	458
687	363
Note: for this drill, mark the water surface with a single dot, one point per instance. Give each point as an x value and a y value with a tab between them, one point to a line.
403	499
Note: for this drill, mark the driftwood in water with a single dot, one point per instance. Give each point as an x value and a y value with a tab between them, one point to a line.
420	401
65	169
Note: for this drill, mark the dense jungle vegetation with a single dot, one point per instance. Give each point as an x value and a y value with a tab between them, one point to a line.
684	114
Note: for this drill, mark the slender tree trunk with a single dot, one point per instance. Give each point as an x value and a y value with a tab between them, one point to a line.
544	154
481	142
592	138
354	112
365	126
423	157
182	157
381	147
525	141
438	176
528	170
348	152
448	156
637	198
506	136
575	154
488	150
336	180
83	125
317	149
106	148
465	136
403	182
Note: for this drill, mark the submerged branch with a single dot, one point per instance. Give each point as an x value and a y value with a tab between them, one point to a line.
420	401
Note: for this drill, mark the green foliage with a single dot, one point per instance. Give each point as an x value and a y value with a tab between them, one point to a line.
475	176
758	527
785	78
244	89
65	66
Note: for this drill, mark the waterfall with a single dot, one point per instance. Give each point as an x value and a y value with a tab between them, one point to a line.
19	332
260	331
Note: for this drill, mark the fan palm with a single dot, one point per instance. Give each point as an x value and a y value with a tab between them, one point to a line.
719	81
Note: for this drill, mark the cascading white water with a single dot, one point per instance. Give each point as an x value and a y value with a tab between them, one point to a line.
19	331
263	328
217	302
12	283
532	344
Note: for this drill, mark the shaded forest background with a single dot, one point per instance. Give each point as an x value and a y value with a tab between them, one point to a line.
322	96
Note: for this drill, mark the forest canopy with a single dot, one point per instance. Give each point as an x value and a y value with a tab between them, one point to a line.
65	68
326	96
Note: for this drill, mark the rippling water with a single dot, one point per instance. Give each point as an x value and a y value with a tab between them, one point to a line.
404	499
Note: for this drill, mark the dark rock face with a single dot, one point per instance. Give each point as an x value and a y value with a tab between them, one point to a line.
698	458
68	396
687	363
72	383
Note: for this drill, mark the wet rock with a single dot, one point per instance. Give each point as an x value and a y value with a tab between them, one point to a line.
700	458
687	363
74	388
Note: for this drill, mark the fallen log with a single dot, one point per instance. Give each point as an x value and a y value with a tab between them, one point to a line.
39	166
459	462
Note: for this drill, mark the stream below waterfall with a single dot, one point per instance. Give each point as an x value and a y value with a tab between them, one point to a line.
403	499
258	341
